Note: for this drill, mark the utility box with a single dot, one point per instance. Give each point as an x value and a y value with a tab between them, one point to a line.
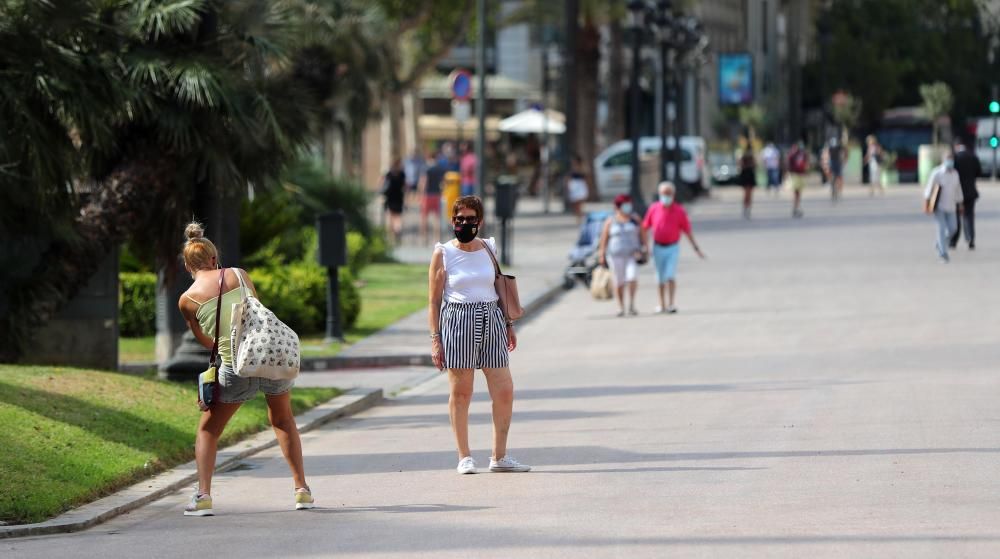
506	196
332	233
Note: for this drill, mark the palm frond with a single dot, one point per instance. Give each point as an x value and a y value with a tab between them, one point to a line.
154	19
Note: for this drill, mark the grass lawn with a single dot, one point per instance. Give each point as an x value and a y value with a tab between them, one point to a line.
74	435
389	292
137	350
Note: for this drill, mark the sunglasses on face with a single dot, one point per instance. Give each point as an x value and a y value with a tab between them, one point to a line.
465	219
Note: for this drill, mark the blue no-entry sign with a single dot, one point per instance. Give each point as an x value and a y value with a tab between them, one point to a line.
461	85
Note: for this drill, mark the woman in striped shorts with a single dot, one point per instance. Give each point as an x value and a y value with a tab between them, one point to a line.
469	332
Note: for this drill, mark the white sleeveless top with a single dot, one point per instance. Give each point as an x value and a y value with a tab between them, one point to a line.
469	275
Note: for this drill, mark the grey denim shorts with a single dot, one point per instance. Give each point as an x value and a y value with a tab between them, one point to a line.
236	390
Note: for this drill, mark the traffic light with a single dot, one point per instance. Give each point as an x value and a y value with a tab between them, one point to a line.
994	107
994	142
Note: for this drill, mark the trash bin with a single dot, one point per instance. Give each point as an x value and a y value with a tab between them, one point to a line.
506	196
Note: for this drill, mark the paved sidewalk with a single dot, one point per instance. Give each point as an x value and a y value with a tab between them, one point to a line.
827	390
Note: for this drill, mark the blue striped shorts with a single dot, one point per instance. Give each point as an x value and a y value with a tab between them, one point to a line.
474	336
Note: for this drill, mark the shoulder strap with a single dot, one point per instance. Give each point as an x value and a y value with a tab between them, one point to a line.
243	285
493	257
218	313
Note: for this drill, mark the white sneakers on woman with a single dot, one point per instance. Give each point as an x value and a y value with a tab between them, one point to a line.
467	465
508	464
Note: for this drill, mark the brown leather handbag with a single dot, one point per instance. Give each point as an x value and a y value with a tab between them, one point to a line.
506	286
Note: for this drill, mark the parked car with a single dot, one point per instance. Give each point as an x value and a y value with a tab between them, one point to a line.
613	167
723	168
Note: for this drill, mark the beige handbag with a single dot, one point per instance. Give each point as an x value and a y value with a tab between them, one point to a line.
506	286
600	283
262	346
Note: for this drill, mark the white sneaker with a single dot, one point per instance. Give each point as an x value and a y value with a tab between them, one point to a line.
671	310
508	464
466	465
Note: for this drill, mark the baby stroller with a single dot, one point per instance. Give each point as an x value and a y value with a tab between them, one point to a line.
583	257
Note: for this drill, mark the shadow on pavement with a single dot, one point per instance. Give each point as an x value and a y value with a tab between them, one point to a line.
557	456
425	420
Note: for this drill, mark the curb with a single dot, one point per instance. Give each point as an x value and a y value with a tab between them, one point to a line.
175	479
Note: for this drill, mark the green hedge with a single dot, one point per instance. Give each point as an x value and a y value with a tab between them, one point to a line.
296	293
137	304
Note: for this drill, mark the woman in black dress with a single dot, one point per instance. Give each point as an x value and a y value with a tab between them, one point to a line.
394	190
748	178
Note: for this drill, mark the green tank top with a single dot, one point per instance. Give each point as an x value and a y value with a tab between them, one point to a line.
206	318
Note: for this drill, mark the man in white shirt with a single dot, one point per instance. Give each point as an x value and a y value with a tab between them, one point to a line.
946	189
771	157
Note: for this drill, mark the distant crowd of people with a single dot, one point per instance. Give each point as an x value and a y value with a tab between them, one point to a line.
792	167
419	180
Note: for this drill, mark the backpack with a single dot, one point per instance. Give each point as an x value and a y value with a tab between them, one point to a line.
799	161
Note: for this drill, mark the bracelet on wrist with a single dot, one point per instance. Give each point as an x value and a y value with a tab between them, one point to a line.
435	335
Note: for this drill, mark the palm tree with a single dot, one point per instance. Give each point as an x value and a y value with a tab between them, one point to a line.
53	95
201	96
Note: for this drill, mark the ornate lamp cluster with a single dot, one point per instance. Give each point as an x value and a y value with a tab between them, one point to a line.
682	46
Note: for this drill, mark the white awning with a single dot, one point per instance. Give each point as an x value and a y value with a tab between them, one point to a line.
533	121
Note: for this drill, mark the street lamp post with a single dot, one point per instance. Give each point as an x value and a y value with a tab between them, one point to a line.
664	34
544	152
682	43
636	10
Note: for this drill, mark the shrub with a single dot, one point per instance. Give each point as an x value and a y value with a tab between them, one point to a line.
297	294
359	253
137	304
350	299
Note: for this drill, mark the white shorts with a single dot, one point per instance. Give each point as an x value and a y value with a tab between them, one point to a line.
577	190
623	268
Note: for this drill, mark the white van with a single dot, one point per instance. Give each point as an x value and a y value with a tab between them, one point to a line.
613	167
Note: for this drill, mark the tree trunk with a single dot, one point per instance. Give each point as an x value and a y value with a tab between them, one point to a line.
615	129
587	64
394	107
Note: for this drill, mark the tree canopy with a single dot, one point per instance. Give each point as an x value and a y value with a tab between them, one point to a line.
883	50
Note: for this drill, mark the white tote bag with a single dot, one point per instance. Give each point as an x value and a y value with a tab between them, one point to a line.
262	345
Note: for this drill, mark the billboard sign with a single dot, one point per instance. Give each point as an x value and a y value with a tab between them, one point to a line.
735	78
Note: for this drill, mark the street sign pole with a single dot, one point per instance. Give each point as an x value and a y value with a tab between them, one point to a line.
481	106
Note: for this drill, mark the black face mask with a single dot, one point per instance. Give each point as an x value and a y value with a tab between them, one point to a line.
465	232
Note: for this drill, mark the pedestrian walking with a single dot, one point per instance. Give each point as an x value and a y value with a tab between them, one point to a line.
467	168
771	157
835	160
430	194
394	192
798	168
943	199
200	307
667	220
469	331
873	158
576	187
622	249
414	168
968	168
748	178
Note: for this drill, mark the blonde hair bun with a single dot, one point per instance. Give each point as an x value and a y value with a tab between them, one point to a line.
194	230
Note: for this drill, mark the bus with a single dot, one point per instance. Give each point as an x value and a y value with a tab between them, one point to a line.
902	132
